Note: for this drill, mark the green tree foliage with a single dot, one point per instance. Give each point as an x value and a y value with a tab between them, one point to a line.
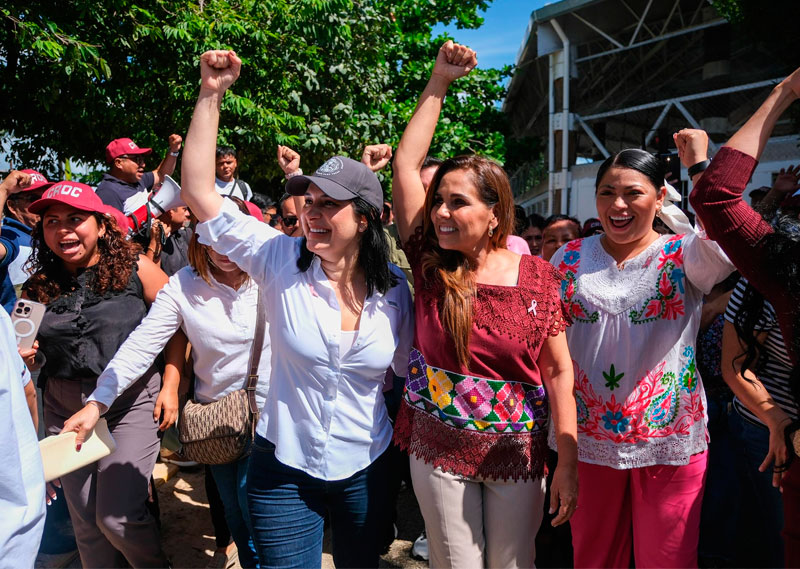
322	76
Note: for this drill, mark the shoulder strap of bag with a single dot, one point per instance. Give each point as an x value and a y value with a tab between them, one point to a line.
242	188
255	355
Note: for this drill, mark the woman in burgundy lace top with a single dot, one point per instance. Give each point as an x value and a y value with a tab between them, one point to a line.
490	362
770	260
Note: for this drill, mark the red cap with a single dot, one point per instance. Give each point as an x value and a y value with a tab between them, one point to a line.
38	181
255	211
121	219
123	146
80	196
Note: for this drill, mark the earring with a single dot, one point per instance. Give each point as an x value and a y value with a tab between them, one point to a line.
491	232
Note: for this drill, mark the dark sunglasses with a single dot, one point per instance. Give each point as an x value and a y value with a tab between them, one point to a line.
289	220
136	159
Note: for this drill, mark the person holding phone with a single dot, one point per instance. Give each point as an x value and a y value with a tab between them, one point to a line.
96	287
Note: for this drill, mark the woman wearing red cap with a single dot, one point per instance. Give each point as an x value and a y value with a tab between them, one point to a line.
97	288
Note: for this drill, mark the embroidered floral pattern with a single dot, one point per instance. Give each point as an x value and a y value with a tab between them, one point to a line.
475	403
439	386
667	303
569	266
661	404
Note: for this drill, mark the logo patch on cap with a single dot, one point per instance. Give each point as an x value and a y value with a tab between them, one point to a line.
64	189
36	177
132	145
332	167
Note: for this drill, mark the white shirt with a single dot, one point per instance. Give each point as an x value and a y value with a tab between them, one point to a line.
640	398
325	411
21	473
16	270
234	188
219	322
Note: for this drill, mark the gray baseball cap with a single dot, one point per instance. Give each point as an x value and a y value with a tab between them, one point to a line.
342	179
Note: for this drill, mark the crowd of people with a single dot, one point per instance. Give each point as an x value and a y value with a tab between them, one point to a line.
631	379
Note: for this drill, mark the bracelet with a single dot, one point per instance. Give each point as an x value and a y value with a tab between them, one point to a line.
298	172
697	168
176	154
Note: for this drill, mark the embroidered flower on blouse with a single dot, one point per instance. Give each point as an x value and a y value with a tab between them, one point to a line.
614	421
474	398
439	385
510	402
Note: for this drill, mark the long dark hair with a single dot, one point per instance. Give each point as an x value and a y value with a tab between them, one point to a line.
112	272
453	268
745	322
373	252
781	251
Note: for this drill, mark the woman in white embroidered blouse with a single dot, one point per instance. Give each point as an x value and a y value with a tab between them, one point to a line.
635	298
340	315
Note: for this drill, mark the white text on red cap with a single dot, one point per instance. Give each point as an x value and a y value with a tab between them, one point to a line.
65	189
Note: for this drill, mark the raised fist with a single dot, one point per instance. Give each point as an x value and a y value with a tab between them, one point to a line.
16	181
454	61
692	144
376	156
219	69
175	141
288	159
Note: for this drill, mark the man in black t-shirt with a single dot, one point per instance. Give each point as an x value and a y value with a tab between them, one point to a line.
126	185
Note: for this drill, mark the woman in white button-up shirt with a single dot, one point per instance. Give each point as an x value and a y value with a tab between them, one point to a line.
214	302
340	315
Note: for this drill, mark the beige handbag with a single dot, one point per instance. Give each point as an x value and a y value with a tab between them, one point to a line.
222	431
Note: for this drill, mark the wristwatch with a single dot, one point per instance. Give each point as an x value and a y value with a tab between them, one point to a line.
697	168
176	154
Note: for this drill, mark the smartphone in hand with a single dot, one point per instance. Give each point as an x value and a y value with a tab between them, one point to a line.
26	318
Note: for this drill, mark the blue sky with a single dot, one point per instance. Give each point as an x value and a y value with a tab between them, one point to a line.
498	40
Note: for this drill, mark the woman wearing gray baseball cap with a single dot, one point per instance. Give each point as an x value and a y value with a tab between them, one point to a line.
339	317
490	367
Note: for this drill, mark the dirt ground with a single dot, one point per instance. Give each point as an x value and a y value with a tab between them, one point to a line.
188	536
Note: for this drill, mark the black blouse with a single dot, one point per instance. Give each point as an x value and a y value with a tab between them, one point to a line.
81	330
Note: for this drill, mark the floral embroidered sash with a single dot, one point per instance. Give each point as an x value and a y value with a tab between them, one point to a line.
472	426
474	403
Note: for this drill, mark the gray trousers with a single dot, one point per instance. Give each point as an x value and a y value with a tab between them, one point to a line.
107	499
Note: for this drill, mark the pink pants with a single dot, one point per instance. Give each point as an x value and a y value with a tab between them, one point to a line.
656	509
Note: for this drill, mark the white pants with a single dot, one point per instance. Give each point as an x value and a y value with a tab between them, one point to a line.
478	524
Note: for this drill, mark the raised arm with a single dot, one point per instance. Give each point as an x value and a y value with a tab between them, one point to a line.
752	393
167	166
452	62
752	137
218	70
